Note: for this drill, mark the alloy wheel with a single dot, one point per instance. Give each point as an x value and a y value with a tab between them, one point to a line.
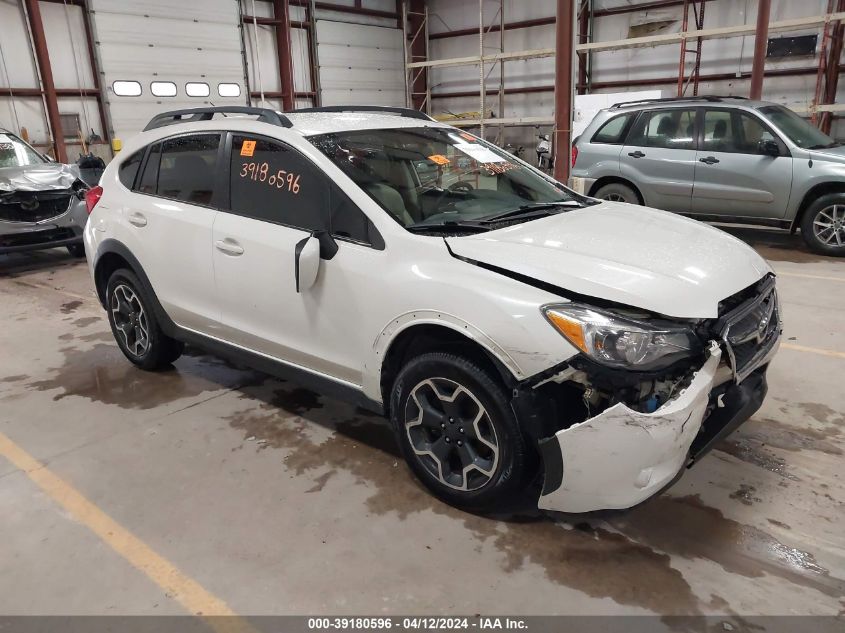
452	434
130	319
829	225
614	197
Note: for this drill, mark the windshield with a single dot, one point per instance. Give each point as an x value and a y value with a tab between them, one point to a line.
429	177
15	153
799	131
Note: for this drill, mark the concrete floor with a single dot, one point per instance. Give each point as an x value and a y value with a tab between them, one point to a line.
277	500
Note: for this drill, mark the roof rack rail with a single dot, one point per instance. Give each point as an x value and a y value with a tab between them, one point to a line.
409	113
192	115
625	104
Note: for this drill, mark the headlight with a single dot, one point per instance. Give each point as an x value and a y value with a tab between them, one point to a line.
619	342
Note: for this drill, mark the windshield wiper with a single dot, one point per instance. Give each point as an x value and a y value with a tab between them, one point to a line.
827	146
448	226
535	209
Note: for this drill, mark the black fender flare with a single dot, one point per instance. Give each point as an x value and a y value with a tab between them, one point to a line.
117	247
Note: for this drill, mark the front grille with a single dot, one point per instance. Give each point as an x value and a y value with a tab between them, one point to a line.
751	329
34	206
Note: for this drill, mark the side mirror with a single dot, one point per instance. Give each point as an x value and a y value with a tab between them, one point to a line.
307	255
768	147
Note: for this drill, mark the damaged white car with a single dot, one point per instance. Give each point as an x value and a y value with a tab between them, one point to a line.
42	203
514	332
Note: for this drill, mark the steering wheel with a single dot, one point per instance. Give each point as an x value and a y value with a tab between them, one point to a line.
461	185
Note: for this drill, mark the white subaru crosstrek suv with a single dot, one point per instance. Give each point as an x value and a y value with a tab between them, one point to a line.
515	333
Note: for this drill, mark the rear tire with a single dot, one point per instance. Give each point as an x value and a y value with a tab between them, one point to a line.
617	192
134	324
76	250
823	225
456	429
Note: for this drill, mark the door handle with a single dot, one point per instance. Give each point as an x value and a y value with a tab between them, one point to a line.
710	160
229	246
637	154
137	219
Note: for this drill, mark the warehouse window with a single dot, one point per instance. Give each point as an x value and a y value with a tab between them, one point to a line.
163	88
197	89
229	90
123	88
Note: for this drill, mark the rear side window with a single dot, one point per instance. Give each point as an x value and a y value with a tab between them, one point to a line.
669	129
613	131
149	179
128	169
188	168
271	181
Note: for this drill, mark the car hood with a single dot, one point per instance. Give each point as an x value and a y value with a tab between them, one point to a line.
46	177
627	254
831	154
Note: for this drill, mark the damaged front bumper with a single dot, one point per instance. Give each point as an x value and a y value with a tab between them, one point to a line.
621	457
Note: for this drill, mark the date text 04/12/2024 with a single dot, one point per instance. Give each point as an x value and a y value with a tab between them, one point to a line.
416	623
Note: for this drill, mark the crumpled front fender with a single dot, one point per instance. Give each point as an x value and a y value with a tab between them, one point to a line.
622	457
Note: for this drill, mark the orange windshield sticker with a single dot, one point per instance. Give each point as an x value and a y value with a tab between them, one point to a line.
467	136
248	148
440	159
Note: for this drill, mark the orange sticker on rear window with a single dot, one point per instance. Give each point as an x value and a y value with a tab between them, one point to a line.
440	159
248	148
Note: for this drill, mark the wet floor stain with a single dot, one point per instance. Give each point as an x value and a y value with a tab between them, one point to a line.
752	453
606	555
784	436
102	374
686	527
594	560
745	495
14	378
70	306
86	321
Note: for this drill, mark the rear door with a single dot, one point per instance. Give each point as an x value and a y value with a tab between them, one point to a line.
732	177
168	221
659	157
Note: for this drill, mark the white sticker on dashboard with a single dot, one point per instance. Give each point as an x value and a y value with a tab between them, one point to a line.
479	153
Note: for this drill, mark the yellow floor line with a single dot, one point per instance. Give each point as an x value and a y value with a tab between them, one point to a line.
188	592
805	276
813	350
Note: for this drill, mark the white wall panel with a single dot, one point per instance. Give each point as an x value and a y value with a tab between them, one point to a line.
14	43
360	64
64	29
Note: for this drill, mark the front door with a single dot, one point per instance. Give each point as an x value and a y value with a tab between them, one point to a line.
732	176
278	198
659	157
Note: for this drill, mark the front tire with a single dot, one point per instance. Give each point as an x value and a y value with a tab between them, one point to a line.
617	192
823	225
458	433
134	324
